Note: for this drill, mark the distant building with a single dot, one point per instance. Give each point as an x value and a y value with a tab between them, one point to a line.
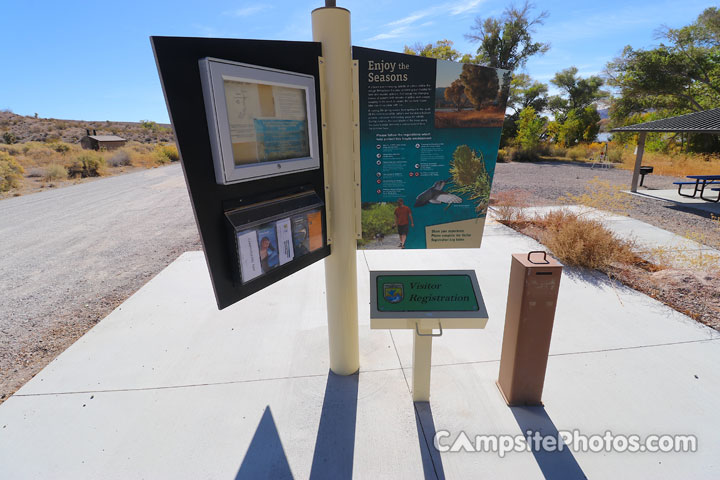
96	142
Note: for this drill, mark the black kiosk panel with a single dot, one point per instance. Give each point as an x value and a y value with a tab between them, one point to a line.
263	228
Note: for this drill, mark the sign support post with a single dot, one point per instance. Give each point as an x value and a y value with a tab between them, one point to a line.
331	27
422	356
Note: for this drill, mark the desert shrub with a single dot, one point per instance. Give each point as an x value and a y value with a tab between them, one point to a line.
86	165
121	158
524	155
556	150
10	149
62	147
502	156
35	172
170	151
576	153
9	138
583	242
160	157
377	219
11	172
508	206
54	172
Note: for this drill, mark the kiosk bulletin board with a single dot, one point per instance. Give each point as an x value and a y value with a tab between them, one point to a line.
246	118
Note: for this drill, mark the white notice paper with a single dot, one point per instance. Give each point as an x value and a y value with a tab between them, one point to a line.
243	106
285	245
289	103
249	254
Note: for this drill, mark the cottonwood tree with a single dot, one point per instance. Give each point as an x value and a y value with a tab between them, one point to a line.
576	115
681	75
506	41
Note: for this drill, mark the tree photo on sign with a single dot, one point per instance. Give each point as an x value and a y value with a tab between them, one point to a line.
470	177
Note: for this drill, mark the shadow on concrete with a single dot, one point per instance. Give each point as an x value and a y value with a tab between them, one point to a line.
265	457
335	443
701	210
559	464
431	461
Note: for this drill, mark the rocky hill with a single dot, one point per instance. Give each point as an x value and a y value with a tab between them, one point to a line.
28	128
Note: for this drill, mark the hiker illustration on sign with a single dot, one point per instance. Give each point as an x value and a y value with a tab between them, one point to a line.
429	135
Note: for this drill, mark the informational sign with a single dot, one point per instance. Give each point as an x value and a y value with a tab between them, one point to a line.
429	135
400	298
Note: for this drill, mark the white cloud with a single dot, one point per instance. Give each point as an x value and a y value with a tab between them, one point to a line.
246	11
410	24
465	7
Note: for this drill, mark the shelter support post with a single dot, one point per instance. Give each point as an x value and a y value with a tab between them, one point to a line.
331	27
638	161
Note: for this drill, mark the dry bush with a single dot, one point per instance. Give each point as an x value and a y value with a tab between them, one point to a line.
11	172
602	195
583	242
120	158
508	206
54	172
88	164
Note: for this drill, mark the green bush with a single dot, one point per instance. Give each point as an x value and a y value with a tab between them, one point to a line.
9	138
87	165
55	172
62	148
11	172
377	219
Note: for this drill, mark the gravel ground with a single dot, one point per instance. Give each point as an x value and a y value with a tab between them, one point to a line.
545	182
692	290
73	254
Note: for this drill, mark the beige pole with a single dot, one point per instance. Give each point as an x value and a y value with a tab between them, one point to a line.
331	27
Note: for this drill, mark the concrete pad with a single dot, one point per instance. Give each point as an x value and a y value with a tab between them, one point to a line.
697	203
209	431
168	387
170	333
620	391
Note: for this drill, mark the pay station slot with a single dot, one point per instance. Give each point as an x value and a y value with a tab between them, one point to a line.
271	235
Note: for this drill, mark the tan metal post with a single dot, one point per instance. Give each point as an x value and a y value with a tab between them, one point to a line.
422	356
638	161
331	27
529	316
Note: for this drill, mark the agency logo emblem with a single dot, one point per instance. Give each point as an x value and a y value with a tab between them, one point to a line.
393	292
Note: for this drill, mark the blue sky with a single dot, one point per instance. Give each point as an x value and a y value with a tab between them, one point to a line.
92	60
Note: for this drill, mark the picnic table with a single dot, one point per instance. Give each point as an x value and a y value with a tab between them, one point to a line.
699	183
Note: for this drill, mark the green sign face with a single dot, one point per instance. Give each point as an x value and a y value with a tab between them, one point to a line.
425	293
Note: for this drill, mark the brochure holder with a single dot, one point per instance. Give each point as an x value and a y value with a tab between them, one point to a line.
274	235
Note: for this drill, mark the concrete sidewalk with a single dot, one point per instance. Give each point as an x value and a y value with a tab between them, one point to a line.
168	387
647	237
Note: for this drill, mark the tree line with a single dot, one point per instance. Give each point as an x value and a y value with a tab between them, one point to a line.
680	75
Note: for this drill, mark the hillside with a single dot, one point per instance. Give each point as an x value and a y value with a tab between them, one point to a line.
31	129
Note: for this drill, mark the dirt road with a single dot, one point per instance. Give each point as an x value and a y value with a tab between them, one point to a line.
70	255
